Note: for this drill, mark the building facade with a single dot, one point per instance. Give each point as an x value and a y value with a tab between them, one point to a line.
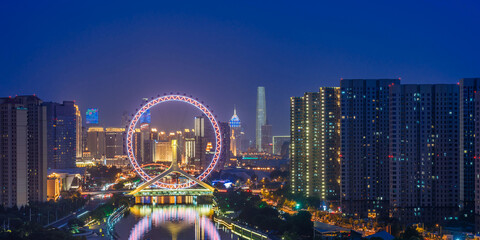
261	118
364	146
267	138
425	167
79	133
61	134
23	146
315	143
477	161
96	142
225	152
468	89
236	134
13	154
115	153
204	140
278	142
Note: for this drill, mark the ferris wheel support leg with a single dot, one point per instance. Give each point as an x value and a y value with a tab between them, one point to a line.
181	172
149	183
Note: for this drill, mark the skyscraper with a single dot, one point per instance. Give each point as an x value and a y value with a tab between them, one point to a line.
477	160
315	143
37	148
236	133
13	153
189	143
61	134
225	154
364	145
261	117
425	166
468	89
79	133
23	146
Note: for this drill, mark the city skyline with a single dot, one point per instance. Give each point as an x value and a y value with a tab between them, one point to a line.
272	46
242	120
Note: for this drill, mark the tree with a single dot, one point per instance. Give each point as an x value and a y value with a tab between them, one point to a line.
411	234
301	224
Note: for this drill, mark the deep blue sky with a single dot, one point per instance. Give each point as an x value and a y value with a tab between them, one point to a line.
110	55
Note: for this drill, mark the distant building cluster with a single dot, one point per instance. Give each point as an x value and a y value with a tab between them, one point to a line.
379	148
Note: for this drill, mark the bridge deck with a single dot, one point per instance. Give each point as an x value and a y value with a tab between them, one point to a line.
177	192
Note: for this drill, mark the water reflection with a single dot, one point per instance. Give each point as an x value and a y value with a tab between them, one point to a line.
170	222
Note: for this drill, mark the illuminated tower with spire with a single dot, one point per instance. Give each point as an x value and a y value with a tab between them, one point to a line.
236	134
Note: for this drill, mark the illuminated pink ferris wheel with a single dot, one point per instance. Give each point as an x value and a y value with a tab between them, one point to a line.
156	180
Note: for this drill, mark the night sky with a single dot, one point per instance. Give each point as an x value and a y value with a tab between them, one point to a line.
110	55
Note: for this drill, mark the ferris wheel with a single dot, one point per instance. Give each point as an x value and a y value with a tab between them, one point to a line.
174	168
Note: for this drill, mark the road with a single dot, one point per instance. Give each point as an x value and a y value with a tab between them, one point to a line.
91	205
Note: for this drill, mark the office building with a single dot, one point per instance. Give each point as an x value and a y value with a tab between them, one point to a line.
61	134
364	146
189	146
96	143
261	117
315	134
468	89
277	144
236	134
163	152
114	142
79	133
425	167
146	143
115	153
267	138
204	142
225	152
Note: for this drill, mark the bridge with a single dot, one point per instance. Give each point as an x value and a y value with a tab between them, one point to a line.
148	193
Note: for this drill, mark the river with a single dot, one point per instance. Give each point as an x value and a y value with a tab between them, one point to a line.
172	222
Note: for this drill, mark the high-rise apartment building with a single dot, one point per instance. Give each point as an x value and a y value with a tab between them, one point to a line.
61	134
468	89
13	153
364	145
425	167
315	144
37	148
477	160
261	117
23	145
